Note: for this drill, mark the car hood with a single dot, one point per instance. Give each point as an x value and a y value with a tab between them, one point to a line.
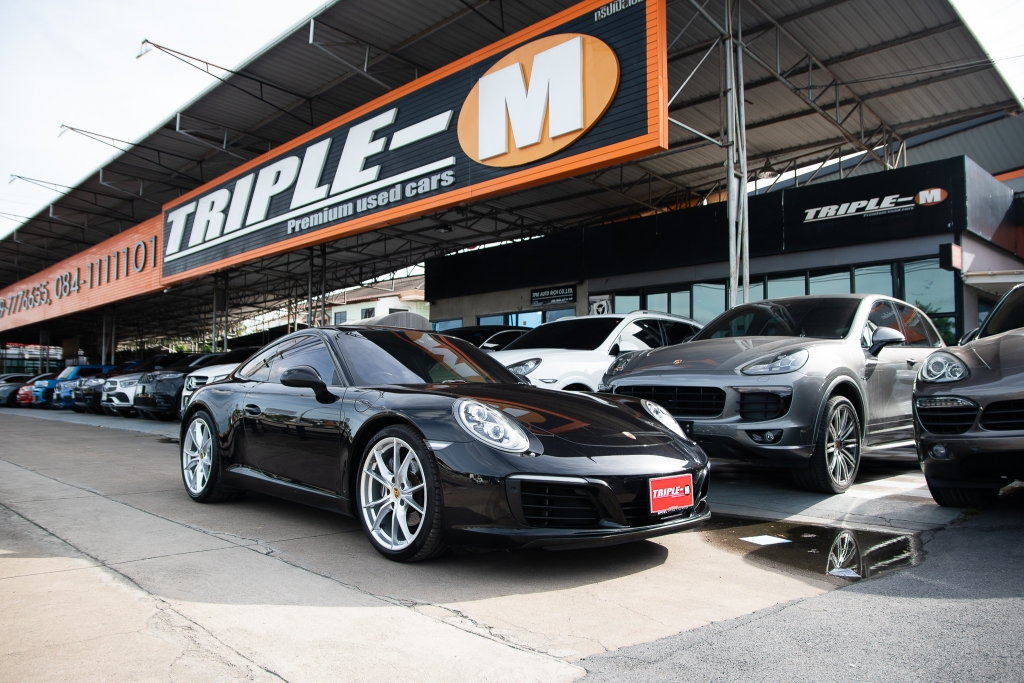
510	357
711	356
214	370
580	418
127	378
1002	353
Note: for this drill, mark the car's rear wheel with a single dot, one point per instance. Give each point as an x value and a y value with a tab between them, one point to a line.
200	462
833	465
952	497
399	496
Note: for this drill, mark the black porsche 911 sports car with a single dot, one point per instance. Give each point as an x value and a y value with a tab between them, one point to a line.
430	443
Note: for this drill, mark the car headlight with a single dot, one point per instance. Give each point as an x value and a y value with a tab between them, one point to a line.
160	376
128	383
942	367
787	361
525	367
663	416
620	362
490	426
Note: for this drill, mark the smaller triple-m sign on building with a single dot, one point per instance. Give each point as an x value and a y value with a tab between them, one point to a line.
580	90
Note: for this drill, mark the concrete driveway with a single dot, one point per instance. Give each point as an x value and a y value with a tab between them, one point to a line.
107	567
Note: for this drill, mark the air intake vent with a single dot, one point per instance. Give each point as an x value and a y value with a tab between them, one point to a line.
763	405
1003	416
946	415
557	505
681	401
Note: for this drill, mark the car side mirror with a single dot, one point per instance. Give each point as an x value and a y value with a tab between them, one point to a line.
885	336
614	351
305	377
969	337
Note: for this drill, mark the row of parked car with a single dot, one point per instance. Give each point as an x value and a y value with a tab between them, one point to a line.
158	387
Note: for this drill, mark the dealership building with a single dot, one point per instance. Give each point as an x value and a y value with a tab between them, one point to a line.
544	158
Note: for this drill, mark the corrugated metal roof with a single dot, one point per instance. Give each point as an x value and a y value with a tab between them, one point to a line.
912	62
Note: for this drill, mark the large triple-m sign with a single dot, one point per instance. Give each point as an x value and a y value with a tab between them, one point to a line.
578	91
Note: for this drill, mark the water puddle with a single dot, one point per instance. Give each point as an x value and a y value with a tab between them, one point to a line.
839	556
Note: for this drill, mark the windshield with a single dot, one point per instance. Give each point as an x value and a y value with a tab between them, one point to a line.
1008	314
238	355
66	372
409	357
184	362
799	317
578	334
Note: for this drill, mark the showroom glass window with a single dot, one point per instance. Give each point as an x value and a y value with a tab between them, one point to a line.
708	301
830	283
931	289
627	303
657	302
552	316
679	304
873	280
525	319
780	287
441	325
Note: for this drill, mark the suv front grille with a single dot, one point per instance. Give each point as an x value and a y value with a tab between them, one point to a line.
1003	416
557	505
681	401
946	415
763	405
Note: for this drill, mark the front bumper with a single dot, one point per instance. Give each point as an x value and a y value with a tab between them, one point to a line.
489	508
158	402
977	459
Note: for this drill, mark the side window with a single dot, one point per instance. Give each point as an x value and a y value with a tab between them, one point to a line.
676	332
309	351
258	367
646	333
882	315
916	328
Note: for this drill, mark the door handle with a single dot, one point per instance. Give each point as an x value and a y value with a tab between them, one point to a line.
253	410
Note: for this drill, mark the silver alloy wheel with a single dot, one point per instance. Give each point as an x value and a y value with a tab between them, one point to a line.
392	493
844	553
197	456
842	445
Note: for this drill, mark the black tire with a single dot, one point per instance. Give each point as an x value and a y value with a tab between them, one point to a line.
211	490
428	540
97	410
821	475
963	498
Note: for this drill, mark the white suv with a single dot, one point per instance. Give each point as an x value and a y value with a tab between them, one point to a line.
574	353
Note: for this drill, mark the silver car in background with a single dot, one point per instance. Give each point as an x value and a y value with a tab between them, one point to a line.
807	383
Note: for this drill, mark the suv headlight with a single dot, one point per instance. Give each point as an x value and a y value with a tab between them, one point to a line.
160	376
787	361
663	416
218	378
525	367
942	367
490	426
620	362
128	383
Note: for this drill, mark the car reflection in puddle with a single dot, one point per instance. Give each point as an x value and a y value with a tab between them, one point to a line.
836	555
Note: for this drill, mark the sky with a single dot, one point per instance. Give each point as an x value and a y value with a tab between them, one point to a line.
74	63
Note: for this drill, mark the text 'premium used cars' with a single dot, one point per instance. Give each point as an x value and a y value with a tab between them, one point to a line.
430	443
803	383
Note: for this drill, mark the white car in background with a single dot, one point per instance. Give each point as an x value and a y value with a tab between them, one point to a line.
573	353
214	373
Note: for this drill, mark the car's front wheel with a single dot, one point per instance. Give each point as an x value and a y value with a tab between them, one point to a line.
200	462
399	496
833	465
952	497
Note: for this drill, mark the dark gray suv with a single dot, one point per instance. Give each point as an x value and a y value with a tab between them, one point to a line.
805	383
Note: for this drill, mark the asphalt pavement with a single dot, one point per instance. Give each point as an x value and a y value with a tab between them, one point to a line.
957	616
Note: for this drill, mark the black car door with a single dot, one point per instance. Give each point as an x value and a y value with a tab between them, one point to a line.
289	434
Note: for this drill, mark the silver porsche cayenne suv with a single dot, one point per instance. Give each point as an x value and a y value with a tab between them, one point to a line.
806	383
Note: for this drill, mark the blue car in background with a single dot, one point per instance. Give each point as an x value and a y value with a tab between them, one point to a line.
59	392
